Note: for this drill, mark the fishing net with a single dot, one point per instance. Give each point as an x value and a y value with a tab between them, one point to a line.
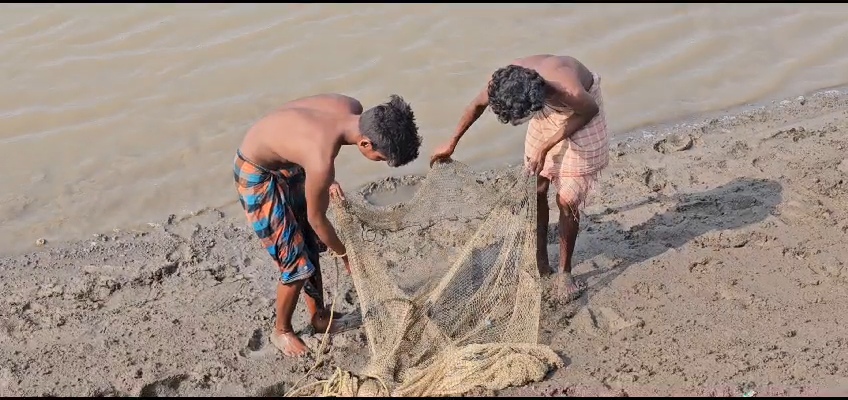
457	305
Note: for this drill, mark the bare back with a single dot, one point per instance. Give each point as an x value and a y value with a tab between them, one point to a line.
547	65
306	132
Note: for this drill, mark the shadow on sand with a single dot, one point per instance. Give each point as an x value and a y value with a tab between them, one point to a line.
737	204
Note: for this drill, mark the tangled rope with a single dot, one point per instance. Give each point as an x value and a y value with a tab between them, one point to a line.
341	383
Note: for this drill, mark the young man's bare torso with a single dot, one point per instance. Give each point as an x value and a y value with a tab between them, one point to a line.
317	123
284	172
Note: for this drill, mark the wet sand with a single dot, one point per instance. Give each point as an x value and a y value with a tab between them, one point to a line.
713	253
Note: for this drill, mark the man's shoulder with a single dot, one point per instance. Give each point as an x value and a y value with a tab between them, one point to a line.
536	60
341	96
329	102
328	96
561	68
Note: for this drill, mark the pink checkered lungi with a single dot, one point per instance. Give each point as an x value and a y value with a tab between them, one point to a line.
574	164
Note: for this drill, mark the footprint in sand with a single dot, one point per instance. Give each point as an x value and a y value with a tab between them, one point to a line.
256	341
275	390
168	387
350	297
256	345
674	143
604	320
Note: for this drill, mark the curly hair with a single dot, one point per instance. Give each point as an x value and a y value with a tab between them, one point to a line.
392	131
516	93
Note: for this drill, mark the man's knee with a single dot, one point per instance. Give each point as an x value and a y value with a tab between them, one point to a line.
292	287
567	208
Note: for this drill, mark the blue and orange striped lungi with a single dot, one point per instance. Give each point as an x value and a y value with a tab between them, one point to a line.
275	205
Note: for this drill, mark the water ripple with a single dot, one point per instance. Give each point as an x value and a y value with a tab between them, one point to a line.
165	91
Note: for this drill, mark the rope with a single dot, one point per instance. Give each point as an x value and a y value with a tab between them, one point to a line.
335	385
324	340
340	379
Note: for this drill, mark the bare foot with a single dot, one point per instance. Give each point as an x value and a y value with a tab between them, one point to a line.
289	344
565	289
321	320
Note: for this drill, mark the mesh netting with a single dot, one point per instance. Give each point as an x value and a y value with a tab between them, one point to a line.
456	305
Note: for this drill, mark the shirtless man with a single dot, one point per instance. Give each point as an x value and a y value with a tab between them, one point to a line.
566	142
285	173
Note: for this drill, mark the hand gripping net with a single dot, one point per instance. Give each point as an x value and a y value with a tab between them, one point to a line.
448	287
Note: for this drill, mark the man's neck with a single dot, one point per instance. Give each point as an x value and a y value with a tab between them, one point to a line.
350	131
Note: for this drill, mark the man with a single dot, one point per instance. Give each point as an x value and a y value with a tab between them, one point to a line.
285	173
566	142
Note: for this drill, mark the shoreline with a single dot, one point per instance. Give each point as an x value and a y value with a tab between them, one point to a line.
730	117
713	268
810	103
716	121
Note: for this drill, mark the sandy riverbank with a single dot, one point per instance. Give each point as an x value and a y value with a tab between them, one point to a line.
714	259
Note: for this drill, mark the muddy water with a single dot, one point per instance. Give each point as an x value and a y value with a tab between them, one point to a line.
114	115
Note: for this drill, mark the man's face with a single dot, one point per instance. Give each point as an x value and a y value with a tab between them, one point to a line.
368	151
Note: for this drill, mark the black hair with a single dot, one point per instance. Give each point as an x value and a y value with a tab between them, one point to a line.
392	131
516	93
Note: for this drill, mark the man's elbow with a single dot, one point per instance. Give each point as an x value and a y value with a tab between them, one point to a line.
316	220
476	107
590	111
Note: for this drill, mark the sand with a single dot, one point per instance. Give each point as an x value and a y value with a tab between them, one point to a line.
713	252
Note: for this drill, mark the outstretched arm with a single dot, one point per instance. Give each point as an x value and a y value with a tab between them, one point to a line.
571	91
472	112
318	181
